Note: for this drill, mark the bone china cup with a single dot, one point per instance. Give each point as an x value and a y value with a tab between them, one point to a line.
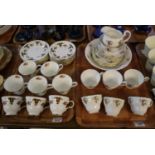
113	105
35	105
112	79
92	103
50	68
59	104
90	78
134	78
38	85
15	84
149	45
139	105
11	104
62	83
28	68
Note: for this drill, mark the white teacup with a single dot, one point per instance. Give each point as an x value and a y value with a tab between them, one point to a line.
59	104
149	45
90	78
35	105
12	104
112	79
139	105
92	103
50	69
15	84
28	68
151	56
134	78
62	83
114	38
38	85
153	91
113	105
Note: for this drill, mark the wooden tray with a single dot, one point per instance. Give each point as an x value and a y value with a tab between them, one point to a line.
126	119
6	37
52	40
46	117
135	37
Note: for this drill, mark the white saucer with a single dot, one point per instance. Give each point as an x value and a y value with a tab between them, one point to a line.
124	63
36	50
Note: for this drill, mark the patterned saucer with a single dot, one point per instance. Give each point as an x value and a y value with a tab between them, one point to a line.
62	52
36	50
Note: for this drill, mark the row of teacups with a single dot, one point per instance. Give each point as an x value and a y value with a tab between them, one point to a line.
36	105
48	69
113	106
112	78
38	85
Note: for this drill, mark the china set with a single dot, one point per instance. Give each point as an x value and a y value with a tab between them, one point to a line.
110	51
36	105
113	105
112	79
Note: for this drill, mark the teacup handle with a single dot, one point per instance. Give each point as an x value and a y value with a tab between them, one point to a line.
25	84
60	67
126	36
124	83
101	74
151	103
74	84
72	104
49	86
38	67
146	78
23	107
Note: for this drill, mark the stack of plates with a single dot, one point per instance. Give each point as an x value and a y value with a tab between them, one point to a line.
110	60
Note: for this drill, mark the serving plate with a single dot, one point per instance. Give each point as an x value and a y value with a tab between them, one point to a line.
36	50
124	63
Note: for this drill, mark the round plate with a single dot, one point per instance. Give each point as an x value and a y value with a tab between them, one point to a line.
124	63
4	28
34	50
61	50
